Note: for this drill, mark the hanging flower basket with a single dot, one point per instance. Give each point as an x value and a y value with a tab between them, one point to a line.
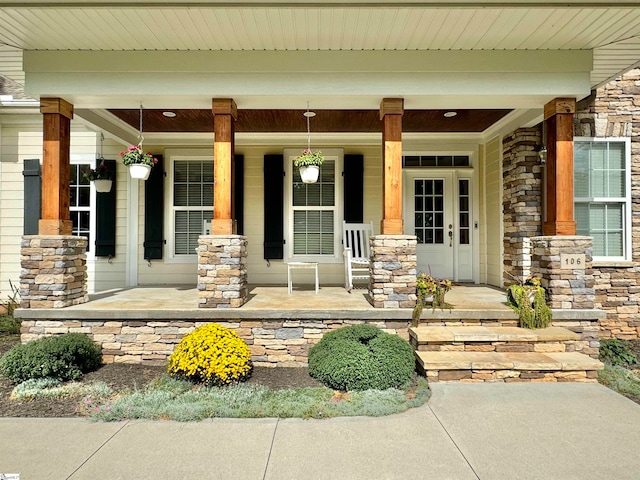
103	185
101	177
309	164
139	171
139	163
309	174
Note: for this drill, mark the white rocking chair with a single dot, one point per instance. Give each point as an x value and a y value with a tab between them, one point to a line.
355	237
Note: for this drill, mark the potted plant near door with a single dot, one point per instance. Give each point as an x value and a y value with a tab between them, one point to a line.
309	164
100	176
139	162
430	290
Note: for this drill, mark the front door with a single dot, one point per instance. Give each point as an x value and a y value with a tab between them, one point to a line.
438	212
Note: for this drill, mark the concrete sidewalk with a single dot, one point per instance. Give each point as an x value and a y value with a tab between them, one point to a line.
466	431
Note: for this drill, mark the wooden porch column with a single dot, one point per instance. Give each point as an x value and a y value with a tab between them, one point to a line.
558	116
391	111
224	115
56	127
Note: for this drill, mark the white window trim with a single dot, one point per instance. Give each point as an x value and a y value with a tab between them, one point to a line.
627	205
336	154
172	155
84	159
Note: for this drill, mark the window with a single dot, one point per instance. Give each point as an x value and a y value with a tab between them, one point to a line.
192	202
315	217
429	211
435	161
464	212
80	202
602	195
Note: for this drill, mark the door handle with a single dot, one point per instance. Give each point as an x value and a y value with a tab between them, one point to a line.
450	235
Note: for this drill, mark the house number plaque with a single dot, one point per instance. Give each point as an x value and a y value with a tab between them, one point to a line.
573	261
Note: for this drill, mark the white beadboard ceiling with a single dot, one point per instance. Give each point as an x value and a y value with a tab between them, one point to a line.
610	29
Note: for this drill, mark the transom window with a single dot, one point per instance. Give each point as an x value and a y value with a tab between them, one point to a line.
602	195
435	161
192	202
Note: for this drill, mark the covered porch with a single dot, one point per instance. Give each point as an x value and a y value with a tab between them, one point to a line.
176	302
143	324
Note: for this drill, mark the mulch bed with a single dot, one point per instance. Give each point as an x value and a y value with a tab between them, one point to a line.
126	376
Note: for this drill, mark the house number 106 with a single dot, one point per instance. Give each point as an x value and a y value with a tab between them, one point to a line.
574	261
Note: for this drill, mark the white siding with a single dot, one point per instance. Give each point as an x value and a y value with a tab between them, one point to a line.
493	211
258	271
105	274
20	139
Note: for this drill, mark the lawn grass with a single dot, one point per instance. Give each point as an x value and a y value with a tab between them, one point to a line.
180	400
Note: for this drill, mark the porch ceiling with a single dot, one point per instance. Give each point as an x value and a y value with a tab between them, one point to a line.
610	28
336	121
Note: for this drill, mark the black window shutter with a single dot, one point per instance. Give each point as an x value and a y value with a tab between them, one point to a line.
154	212
353	188
273	207
238	193
32	196
106	217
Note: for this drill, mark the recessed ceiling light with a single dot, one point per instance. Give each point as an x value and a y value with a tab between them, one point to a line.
169	114
450	114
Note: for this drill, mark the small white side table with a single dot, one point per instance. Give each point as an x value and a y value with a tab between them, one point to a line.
292	265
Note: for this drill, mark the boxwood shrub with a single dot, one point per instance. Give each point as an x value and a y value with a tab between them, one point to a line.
65	357
361	357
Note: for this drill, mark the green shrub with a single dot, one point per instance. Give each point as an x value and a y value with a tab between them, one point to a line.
212	355
529	300
616	352
361	357
9	325
65	357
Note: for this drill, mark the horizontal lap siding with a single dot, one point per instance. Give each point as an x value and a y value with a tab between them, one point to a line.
17	144
112	275
23	140
493	209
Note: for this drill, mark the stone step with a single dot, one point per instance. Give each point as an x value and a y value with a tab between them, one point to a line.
469	334
506	366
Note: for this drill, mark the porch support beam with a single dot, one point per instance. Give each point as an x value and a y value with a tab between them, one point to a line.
558	117
56	119
225	113
391	111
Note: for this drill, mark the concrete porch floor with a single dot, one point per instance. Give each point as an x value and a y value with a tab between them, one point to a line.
469	301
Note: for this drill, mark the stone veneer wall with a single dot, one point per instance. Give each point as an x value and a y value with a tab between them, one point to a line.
609	112
273	343
222	271
53	271
567	288
522	200
393	271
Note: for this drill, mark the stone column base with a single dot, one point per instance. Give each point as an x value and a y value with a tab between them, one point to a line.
222	271
53	271
393	271
558	261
